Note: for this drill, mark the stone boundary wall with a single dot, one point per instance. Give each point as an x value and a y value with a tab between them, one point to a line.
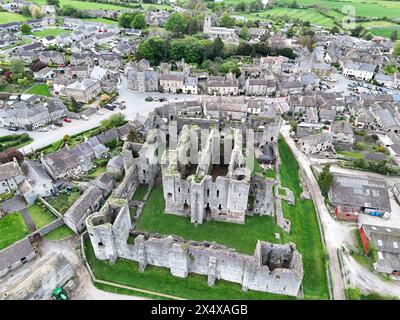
50	207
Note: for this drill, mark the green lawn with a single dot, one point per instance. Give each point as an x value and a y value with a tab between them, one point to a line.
355	155
6	17
101	20
64	200
12	229
140	192
40	89
50	32
60	233
87	5
304	228
40	216
97	171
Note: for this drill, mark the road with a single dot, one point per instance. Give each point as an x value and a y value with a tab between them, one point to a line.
335	234
135	104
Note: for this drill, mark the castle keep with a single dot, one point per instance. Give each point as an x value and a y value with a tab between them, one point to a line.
216	187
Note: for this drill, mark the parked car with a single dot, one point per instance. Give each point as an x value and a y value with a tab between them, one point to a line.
67	120
99	112
85	117
58	123
12	129
44	129
52	127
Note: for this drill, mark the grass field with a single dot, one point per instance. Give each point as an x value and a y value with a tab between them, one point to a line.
60	233
369	9
50	32
140	192
64	200
6	17
12	229
40	89
304	228
86	5
41	217
102	20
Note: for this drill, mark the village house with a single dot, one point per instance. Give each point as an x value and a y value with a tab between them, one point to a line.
83	91
227	87
143	80
89	202
342	132
52	57
315	143
37	178
44	74
171	82
61	164
77	59
108	78
11	176
12	257
360	71
386	240
109	61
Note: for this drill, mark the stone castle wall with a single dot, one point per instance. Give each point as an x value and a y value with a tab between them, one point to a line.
275	268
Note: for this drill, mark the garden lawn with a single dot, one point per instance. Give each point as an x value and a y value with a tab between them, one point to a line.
12	229
88	5
40	216
6	17
64	200
140	192
50	32
40	89
60	233
305	231
355	155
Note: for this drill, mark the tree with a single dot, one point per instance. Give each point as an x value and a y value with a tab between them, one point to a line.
396	49
360	146
17	68
26	11
153	49
325	180
10	154
175	23
217	47
125	20
139	22
116	120
335	30
36	13
53	3
25	28
394	36
74	105
368	36
244	33
226	20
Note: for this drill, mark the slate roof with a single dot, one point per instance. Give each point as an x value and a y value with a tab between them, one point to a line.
15	253
9	170
61	161
354	191
78	209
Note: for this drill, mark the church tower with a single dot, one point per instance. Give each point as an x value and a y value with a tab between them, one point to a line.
207	24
